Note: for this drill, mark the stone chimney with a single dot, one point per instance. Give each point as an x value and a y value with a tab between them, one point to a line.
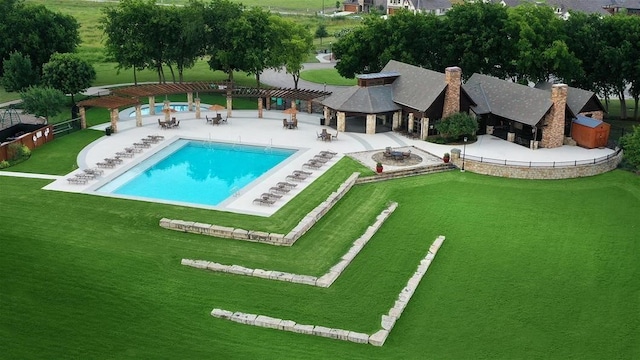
553	130
453	78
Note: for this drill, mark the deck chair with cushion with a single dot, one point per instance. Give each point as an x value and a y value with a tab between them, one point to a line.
312	165
297	177
264	201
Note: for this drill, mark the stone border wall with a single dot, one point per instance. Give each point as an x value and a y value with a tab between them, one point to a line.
324	281
533	172
378	338
260	236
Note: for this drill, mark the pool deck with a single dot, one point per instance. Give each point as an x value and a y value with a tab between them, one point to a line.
245	127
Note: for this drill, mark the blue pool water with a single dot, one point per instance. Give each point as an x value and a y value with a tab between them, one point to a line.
196	172
144	109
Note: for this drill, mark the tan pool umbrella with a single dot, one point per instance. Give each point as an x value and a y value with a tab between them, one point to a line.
216	108
291	111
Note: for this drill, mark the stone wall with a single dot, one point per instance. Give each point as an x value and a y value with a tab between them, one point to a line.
524	172
387	321
324	281
453	78
260	236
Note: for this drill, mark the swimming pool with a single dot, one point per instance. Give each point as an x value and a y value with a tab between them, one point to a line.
196	172
144	109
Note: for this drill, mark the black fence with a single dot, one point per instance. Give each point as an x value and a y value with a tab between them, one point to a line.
66	127
544	164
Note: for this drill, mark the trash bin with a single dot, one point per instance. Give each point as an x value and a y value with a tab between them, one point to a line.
107	131
322	121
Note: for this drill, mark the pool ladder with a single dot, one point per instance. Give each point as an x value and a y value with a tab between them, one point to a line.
235	191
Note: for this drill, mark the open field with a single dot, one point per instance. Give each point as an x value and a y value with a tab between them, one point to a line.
530	269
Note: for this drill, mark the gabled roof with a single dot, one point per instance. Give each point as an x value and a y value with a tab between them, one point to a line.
577	98
589	7
416	87
506	99
432	4
366	100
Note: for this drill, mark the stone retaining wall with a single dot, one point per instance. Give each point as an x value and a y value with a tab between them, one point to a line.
324	281
524	172
378	338
260	236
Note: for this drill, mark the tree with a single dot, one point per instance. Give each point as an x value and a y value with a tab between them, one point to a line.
187	24
18	73
36	32
294	48
321	32
68	73
42	101
219	17
474	39
457	125
631	145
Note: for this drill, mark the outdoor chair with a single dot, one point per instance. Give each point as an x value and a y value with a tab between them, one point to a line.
320	159
270	196
327	152
407	154
207	118
264	201
295	123
284	123
312	165
286	185
302	172
224	121
105	165
77	180
320	137
279	190
297	177
96	172
334	137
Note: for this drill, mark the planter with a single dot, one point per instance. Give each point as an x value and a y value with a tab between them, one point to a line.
379	169
445	159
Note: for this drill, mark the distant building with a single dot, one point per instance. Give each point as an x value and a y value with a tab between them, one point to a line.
437	7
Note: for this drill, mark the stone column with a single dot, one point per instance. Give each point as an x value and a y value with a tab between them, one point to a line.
396	119
553	131
229	103
309	107
371	124
326	113
424	128
260	108
198	115
114	120
190	101
410	128
453	78
293	106
166	108
152	105
83	118
342	123
138	115
268	100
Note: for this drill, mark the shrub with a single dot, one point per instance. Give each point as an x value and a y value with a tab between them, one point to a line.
631	145
17	151
457	125
4	164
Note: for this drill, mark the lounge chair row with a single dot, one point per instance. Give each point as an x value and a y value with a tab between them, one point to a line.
85	176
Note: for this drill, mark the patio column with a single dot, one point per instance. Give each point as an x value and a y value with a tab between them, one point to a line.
138	115
190	101
229	103
410	126
371	124
326	114
342	124
309	107
268	100
293	106
198	108
260	108
396	119
166	108
83	118
114	120
424	128
152	105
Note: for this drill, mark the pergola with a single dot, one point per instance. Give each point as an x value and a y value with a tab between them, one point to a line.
131	95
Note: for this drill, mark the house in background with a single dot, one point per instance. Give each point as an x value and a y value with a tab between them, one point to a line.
437	7
630	7
411	99
358	6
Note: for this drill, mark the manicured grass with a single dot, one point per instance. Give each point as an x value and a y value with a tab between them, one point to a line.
530	269
328	76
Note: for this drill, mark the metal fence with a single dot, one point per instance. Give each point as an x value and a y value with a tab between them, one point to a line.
542	164
66	127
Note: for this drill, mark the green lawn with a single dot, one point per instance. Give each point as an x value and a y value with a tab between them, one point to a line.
327	76
530	269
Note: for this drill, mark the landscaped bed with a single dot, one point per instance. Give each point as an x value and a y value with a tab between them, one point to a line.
530	269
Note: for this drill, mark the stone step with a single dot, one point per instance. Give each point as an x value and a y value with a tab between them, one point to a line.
423	170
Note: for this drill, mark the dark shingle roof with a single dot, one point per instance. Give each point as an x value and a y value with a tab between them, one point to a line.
366	100
416	87
589	7
432	4
512	101
577	98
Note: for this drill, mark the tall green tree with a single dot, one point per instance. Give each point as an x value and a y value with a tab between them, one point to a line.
292	49
631	145
359	50
219	17
187	24
36	31
18	73
42	100
474	38
68	73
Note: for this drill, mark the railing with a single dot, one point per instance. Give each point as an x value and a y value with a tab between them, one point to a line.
541	164
66	127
